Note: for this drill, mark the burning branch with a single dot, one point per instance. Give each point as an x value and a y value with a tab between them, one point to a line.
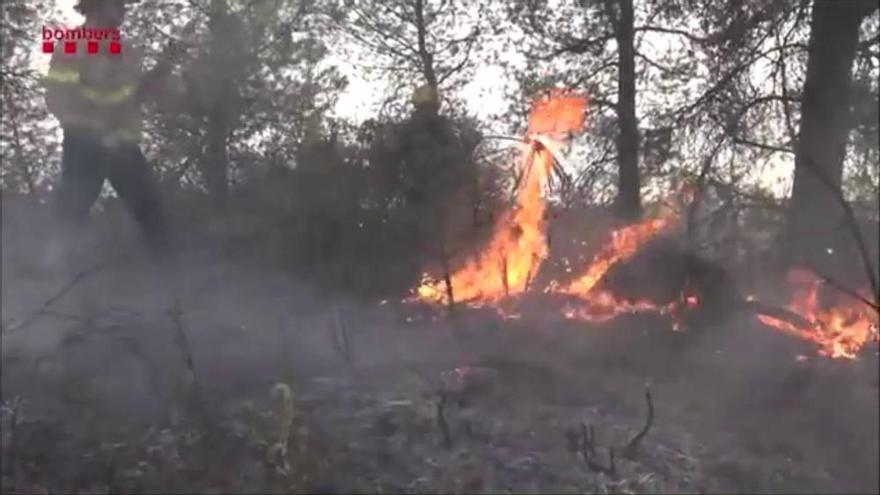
447	279
845	290
850	218
519	242
840	330
504	276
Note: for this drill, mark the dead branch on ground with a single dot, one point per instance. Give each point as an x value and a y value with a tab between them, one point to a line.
10	468
588	452
34	315
340	335
183	343
630	449
584	441
441	419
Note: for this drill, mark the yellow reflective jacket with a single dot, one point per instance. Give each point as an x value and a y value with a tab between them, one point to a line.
96	92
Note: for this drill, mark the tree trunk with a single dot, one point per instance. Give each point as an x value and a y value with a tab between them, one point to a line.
217	163
815	212
628	195
426	57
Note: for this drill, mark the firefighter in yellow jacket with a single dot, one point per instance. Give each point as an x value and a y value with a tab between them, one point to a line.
96	97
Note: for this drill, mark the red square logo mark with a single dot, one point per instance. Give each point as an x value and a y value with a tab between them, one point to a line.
92	47
70	47
115	47
48	47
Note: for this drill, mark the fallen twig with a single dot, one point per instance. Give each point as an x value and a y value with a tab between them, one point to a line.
111	475
182	341
629	450
340	335
11	466
441	420
277	454
76	280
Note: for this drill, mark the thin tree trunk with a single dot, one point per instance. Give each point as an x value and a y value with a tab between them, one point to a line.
629	205
217	166
815	212
217	163
424	54
21	162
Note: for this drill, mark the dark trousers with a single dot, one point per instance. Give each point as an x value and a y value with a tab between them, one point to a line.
86	164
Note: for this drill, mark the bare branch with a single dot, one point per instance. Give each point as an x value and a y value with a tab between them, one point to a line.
654	64
588	452
630	449
461	64
659	29
850	217
767	147
580	46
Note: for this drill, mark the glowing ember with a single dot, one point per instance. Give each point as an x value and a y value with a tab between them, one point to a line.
840	330
603	305
518	246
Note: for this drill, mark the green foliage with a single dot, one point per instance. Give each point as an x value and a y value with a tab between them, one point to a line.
28	153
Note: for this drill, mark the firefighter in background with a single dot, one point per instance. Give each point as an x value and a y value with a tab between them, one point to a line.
422	160
431	150
97	97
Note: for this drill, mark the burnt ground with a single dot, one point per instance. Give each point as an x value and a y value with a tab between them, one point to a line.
97	397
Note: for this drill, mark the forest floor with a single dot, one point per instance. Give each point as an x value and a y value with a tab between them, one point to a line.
393	397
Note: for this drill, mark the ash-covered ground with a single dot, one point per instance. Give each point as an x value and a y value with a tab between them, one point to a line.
384	396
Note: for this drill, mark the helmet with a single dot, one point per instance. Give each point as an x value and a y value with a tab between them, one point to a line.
83	6
425	95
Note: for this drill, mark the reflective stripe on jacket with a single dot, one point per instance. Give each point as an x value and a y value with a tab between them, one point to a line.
96	92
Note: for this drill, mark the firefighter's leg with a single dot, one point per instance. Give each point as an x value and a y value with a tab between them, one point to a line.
138	188
82	175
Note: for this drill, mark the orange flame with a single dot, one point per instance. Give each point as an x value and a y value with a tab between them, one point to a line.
840	331
599	305
518	246
624	242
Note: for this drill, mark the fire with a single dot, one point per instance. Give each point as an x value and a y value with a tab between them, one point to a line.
840	330
519	244
623	244
599	305
518	248
603	305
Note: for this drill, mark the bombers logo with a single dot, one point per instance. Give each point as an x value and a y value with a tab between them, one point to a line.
67	39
